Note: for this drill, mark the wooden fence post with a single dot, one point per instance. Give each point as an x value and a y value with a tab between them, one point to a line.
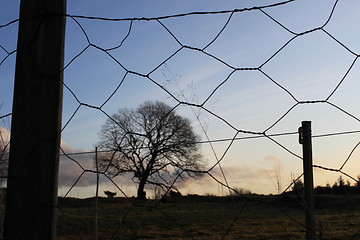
30	211
305	140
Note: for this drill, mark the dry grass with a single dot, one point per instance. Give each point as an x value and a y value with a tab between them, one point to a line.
205	218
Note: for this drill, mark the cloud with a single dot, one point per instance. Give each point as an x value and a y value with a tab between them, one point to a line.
77	169
70	167
277	170
242	175
258	179
272	158
4	135
74	164
71	164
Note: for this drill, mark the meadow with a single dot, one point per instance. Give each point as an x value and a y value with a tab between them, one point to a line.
207	217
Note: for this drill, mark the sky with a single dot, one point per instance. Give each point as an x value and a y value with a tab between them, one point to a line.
252	71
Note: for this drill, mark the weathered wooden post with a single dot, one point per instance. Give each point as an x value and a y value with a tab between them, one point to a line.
30	211
305	140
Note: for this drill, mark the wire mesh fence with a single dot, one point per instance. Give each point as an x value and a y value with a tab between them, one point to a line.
245	78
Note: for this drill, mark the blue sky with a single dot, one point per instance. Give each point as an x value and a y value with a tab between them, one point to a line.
308	68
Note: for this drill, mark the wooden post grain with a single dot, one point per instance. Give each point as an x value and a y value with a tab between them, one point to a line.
36	122
305	140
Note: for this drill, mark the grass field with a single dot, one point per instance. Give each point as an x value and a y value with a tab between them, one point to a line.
206	217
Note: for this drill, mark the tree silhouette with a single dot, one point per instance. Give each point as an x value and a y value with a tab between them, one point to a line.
4	157
152	143
298	186
4	148
110	194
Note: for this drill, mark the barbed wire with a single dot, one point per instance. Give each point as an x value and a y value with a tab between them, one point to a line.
249	134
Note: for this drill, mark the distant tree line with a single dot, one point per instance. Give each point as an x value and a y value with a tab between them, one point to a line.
340	187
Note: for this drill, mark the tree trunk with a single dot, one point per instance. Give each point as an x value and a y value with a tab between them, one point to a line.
141	194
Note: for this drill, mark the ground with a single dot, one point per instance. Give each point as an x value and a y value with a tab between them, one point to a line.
207	217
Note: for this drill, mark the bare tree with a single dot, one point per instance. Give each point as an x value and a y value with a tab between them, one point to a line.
4	157
152	143
4	148
4	154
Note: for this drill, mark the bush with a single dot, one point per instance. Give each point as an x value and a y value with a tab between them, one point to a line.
110	194
236	191
298	187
